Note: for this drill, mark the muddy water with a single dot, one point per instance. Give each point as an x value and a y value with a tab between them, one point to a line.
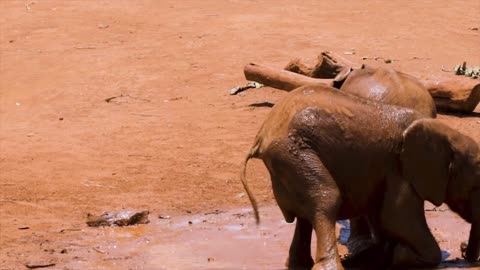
228	240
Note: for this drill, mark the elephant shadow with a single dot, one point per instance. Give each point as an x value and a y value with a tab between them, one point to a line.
446	264
463	115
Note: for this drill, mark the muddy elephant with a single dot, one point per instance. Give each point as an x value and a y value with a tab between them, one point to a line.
389	86
332	156
386	85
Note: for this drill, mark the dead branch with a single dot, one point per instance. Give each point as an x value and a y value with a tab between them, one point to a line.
450	93
328	66
453	94
280	79
34	266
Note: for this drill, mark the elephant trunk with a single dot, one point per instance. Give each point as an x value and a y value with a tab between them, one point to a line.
473	249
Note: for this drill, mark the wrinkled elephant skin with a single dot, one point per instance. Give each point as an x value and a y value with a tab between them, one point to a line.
332	155
389	86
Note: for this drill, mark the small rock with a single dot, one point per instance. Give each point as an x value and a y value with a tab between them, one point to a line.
17	103
63	251
474	28
24	228
119	219
61	118
210	259
190	222
164	217
102	26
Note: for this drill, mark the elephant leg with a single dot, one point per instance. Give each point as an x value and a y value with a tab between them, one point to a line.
403	220
325	201
369	252
299	254
360	236
327	257
374	257
313	197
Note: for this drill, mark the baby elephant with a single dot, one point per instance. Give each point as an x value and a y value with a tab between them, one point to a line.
334	156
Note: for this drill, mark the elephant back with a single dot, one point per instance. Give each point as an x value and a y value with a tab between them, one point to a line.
389	86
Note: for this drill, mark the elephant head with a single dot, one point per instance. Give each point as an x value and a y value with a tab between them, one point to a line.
444	167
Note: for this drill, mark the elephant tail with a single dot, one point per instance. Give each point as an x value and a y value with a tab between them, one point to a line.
243	177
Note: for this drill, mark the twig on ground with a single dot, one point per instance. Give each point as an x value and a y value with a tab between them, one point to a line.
420	58
85	47
135	155
69	230
241	88
145	114
88	183
108	100
447	70
33	266
98	250
388	61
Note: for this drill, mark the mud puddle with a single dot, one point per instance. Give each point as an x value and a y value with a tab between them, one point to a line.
228	240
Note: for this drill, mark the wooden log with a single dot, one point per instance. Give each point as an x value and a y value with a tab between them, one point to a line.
279	78
451	94
328	66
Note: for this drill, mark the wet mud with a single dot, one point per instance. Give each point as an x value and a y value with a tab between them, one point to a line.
119	105
229	240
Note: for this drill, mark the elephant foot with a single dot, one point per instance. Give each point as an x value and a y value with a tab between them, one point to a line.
328	265
299	263
372	257
357	244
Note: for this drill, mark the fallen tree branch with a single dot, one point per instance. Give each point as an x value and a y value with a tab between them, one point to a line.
451	94
280	79
327	67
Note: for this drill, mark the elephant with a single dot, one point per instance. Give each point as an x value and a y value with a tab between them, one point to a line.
332	155
386	85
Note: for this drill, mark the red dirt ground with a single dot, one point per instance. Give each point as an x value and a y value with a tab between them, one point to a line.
173	142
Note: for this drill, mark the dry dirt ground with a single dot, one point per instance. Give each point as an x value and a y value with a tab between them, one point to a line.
172	140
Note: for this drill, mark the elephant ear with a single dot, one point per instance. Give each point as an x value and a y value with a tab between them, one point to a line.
426	159
341	77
